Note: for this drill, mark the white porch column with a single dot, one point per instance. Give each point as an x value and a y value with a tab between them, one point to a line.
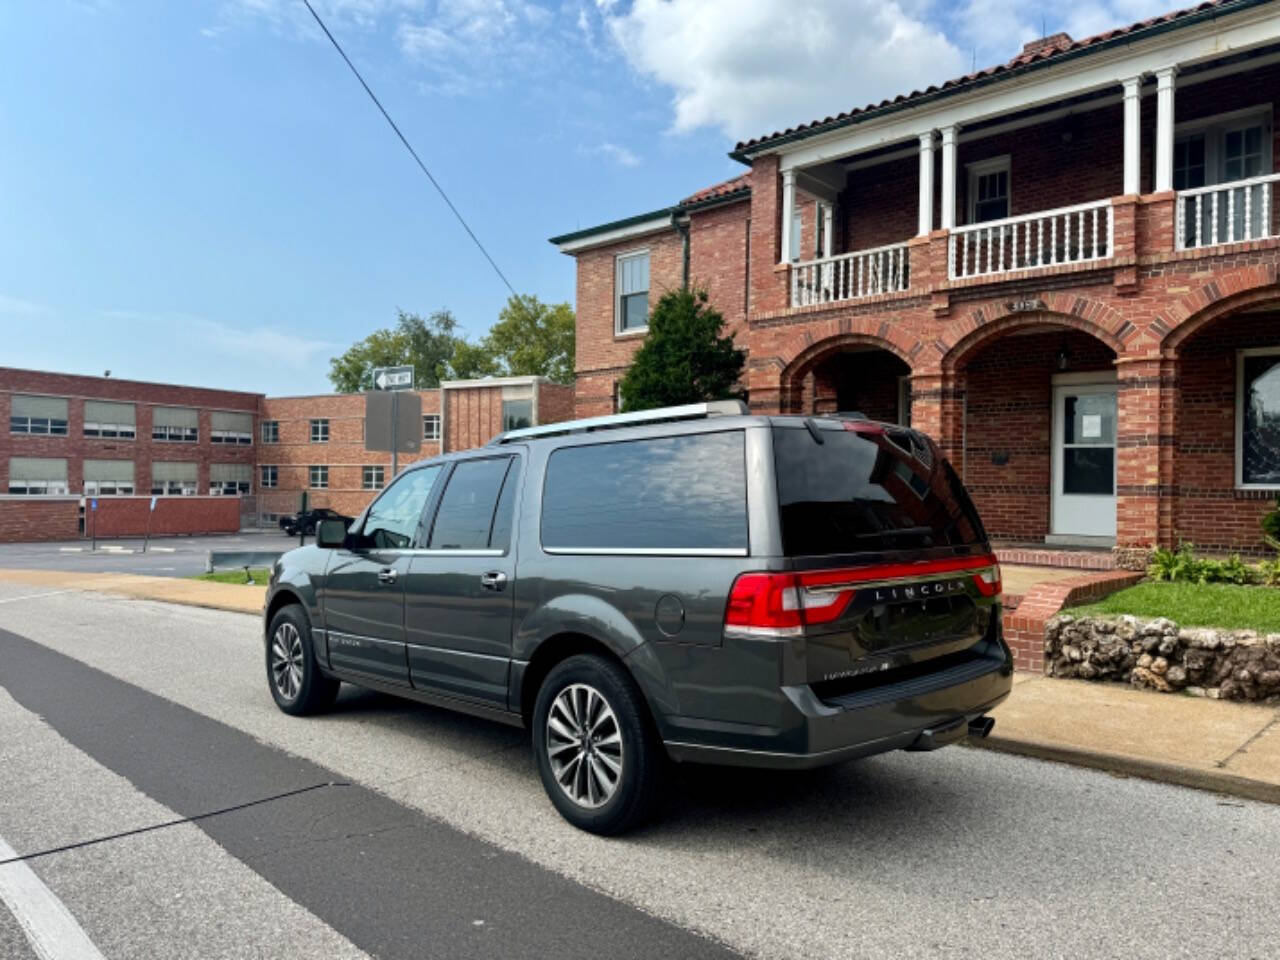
926	184
1133	135
1164	128
828	224
949	177
788	213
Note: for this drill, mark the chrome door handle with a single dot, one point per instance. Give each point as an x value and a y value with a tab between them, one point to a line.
493	580
387	575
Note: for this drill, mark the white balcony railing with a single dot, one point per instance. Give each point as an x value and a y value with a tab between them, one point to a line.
1067	235
863	273
1226	213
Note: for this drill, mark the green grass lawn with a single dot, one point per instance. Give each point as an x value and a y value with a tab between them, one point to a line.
260	576
1190	605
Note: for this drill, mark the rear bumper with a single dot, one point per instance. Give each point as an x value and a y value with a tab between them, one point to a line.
922	715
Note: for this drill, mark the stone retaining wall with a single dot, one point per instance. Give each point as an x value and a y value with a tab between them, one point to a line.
1159	655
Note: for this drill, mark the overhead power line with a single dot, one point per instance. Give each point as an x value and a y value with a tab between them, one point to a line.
412	152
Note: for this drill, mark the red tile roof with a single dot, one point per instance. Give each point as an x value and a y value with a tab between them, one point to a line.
727	188
1037	51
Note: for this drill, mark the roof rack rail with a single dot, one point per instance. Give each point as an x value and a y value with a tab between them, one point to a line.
689	411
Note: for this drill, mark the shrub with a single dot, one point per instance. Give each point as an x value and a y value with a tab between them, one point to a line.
1183	566
1271	525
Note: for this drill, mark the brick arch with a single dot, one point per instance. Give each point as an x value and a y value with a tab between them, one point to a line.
1225	294
1097	319
885	337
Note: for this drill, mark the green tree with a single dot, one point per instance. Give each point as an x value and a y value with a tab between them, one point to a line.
426	344
472	361
532	338
685	357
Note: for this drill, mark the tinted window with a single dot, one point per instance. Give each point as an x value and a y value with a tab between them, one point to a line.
467	508
868	490
685	492
393	519
500	537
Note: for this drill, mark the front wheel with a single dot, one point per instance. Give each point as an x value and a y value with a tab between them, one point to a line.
297	685
598	756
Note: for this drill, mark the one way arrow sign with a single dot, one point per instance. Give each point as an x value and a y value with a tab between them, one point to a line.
393	378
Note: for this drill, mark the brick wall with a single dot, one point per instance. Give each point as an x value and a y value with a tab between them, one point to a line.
30	519
127	516
555	402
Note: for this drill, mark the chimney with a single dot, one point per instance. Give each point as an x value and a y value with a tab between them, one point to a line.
1059	41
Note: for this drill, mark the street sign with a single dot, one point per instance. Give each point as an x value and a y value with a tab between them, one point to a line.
393	422
93	504
393	378
153	503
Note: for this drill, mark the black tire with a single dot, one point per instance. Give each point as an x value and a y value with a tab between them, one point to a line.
642	760
297	685
309	529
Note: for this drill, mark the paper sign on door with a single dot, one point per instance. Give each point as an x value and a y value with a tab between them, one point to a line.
1091	426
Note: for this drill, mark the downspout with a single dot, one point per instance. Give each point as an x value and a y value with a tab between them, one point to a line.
682	228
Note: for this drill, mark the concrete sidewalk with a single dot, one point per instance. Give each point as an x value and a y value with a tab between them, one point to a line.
1231	748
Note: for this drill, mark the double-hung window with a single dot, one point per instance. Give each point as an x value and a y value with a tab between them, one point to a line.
374	478
269	477
38	476
633	292
173	479
270	431
230	479
431	426
320	431
228	427
38	415
318	477
989	190
105	478
175	424
1220	151
111	420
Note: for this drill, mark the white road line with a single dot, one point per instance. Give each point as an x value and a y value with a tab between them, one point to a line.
163	550
49	926
33	596
71	549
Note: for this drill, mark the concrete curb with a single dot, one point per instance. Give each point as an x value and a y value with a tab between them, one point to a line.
1198	778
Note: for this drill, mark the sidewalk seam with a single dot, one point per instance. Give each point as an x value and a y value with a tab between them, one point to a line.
1245	746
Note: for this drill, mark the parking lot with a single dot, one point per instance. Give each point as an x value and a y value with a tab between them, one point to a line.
391	829
162	557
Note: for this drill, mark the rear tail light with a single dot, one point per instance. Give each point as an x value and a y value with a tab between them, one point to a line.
782	604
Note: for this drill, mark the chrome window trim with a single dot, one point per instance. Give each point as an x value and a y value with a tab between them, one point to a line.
651	551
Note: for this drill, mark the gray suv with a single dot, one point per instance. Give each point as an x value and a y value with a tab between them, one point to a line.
693	584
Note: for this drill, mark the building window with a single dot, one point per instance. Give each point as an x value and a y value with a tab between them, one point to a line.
633	292
1258	418
1222	150
111	420
236	428
797	231
431	426
269	478
270	431
989	190
517	414
175	425
374	478
171	479
46	416
38	476
320	431
105	478
230	479
319	478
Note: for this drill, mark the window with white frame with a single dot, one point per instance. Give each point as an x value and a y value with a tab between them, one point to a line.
374	478
269	477
797	231
175	424
318	477
106	478
431	426
989	190
228	427
1222	150
230	479
174	479
45	416
38	476
270	431
113	420
320	431
1258	417
633	291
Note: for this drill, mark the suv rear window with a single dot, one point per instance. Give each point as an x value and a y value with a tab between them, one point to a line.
867	488
670	493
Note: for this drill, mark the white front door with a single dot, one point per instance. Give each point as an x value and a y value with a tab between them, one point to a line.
1084	460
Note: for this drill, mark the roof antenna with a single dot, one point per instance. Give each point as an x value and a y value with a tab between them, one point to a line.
973	60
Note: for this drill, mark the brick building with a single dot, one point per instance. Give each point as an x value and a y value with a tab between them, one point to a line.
216	459
1064	268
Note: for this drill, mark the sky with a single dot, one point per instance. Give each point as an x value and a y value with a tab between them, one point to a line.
198	191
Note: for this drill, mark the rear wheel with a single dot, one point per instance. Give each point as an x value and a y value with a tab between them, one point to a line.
297	685
598	756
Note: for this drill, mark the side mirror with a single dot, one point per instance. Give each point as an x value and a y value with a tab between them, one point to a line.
331	533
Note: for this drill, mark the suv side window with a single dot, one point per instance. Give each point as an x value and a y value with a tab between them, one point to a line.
504	516
394	518
670	493
466	517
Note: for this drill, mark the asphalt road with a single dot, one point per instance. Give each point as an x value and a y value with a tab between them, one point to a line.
394	830
165	556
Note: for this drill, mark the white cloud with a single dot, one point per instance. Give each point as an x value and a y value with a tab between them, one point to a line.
467	44
752	66
250	346
292	15
618	154
16	308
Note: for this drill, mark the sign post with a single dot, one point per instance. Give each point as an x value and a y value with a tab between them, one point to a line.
93	522
383	415
302	521
150	513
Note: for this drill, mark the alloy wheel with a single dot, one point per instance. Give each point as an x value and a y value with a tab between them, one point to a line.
584	745
286	660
